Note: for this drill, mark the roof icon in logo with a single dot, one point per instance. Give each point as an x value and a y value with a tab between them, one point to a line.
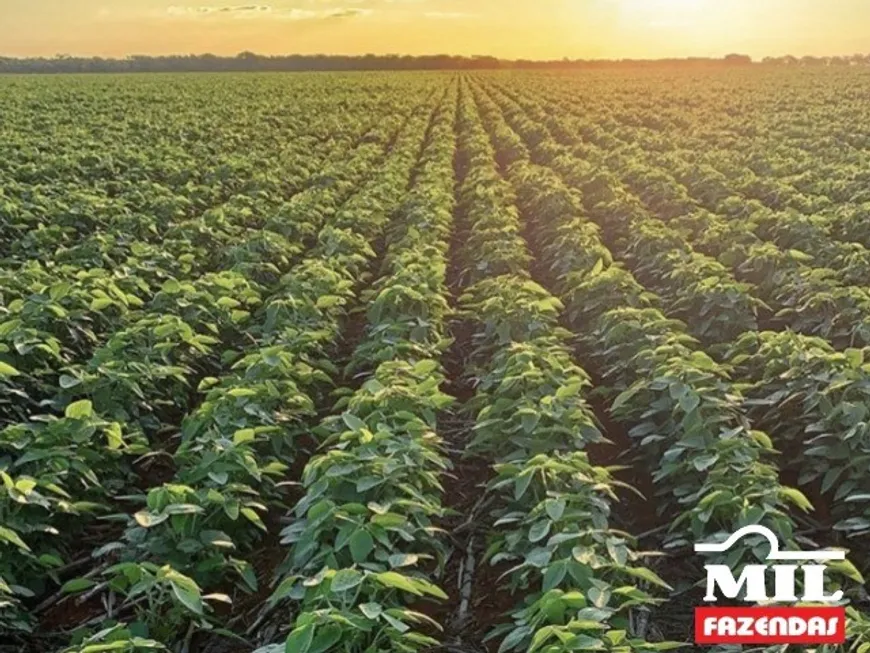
775	553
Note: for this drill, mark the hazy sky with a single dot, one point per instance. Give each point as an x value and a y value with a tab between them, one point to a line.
507	28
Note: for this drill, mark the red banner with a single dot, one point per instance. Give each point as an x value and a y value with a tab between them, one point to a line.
762	625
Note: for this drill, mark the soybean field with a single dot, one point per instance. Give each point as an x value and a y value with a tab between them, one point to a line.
430	361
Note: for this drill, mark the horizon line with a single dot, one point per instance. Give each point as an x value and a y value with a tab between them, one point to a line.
564	59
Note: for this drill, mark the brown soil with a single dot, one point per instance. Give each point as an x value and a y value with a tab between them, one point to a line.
70	613
634	514
155	470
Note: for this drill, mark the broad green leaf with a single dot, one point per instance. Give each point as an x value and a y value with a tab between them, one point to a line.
99	303
539	557
299	641
66	381
251	515
514	639
554	575
395	623
188	593
148	519
371	610
521	485
353	422
216	538
555	508
80	409
646	574
598	596
284	589
539	531
345	579
114	436
361	545
530	421
398	560
325	639
855	357
398	581
219	477
244	435
795	497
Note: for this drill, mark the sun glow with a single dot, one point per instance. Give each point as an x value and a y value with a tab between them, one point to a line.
666	12
664	5
505	28
679	27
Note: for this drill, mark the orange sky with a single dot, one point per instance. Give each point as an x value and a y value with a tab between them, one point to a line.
506	28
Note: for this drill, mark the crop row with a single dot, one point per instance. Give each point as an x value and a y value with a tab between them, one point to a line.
800	390
815	289
768	156
694	287
577	575
169	163
679	403
211	270
363	547
685	414
235	443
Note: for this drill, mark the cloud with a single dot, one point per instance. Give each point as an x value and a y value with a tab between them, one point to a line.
265	12
190	11
176	10
347	13
245	9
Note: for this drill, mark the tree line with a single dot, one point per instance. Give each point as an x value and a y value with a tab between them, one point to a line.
249	61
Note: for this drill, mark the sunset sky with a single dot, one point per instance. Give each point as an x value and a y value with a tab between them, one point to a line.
505	28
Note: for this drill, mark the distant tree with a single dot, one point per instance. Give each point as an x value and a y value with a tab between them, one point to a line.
250	61
738	59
